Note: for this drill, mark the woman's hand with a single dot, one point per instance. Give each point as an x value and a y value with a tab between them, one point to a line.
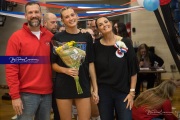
72	72
95	97
130	100
141	63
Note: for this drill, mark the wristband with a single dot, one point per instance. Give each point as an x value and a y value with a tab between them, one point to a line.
132	90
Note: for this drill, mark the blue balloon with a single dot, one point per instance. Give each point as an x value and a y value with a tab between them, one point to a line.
151	5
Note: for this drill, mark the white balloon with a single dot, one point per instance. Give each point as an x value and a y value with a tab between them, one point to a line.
141	2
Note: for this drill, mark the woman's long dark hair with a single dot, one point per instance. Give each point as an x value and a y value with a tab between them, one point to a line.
122	30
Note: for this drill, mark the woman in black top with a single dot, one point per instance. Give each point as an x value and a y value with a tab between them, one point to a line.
147	59
65	87
116	73
121	30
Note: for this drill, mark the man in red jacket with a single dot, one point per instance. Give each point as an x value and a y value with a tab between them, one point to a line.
30	84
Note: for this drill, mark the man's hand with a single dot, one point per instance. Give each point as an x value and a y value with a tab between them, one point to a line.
17	106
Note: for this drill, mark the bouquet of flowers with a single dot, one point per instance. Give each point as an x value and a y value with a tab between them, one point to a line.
71	56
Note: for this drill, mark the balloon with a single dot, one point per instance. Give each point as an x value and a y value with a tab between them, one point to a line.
151	5
164	2
140	2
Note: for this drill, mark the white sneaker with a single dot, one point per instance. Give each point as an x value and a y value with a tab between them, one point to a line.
14	117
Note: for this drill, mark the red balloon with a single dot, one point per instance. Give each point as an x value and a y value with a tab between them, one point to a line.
164	2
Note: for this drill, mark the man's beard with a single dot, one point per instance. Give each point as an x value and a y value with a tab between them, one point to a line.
34	23
53	31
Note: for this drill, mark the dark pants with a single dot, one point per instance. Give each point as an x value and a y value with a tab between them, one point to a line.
111	101
150	77
54	105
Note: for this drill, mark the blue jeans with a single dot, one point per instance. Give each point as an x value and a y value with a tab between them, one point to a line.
110	102
36	106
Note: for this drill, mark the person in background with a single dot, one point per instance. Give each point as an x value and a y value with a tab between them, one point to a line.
90	31
50	22
121	30
115	28
147	59
97	34
88	23
65	87
116	73
30	85
94	108
155	103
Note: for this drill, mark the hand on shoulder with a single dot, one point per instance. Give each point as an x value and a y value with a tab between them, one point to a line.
118	37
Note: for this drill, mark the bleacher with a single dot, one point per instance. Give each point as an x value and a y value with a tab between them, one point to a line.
5	6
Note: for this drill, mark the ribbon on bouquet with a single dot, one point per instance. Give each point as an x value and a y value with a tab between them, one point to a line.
121	49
